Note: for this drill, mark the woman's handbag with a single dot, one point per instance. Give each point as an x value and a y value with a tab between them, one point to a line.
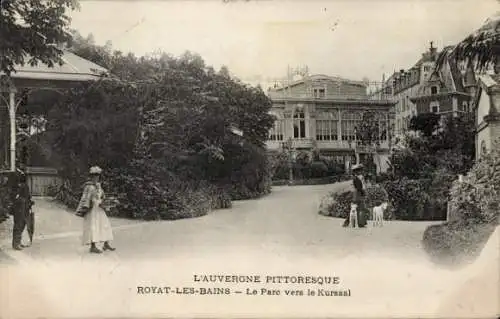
82	211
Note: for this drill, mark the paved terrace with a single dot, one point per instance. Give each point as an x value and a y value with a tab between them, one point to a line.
281	234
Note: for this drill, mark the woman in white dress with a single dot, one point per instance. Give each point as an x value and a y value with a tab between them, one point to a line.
96	225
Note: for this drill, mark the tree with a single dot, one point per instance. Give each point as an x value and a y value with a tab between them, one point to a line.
34	30
161	127
427	123
368	134
444	144
481	47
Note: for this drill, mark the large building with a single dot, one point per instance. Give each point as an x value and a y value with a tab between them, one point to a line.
448	90
405	85
323	112
425	89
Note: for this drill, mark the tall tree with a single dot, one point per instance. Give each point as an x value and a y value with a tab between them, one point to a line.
368	135
481	48
32	31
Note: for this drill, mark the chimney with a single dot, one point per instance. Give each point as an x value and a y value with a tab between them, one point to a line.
433	51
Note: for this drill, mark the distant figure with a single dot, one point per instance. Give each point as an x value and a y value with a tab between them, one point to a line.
96	225
21	208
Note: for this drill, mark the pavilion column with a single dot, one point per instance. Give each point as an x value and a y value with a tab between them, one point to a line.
12	119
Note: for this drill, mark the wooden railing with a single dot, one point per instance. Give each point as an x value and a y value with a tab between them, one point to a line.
40	179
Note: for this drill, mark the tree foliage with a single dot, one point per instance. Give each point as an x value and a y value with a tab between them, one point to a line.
481	48
161	128
440	143
32	31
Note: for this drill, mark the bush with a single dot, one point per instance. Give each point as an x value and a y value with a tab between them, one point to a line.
478	196
317	170
456	242
338	204
414	200
474	213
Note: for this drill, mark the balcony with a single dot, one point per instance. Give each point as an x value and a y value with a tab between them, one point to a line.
303	143
309	143
336	144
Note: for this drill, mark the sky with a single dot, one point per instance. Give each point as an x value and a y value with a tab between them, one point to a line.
257	40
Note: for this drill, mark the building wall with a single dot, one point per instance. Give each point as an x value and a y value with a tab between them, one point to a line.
487	132
329	127
445	104
483	107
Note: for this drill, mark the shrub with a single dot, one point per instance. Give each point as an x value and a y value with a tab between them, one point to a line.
338	204
474	213
478	196
317	170
455	242
413	200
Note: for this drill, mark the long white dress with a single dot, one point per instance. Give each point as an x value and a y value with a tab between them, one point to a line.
96	225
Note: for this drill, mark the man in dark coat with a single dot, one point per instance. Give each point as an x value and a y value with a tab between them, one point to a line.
358	196
22	204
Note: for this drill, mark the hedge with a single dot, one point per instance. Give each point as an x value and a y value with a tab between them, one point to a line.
314	181
337	204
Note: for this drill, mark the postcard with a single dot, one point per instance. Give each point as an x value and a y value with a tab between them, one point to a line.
249	159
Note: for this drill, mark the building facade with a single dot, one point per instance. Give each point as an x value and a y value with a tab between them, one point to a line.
487	113
323	112
425	89
406	85
448	91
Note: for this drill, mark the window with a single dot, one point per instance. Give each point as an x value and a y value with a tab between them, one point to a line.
383	128
434	90
319	93
276	133
427	68
434	107
350	120
403	105
465	106
327	126
484	150
299	124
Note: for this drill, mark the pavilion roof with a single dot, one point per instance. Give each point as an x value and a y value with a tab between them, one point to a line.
74	68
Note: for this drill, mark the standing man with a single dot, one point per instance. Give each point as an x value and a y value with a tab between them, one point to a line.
21	206
358	196
359	193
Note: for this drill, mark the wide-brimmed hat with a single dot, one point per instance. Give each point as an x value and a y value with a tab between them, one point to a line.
357	167
95	170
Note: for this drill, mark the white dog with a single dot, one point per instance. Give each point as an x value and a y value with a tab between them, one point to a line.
353	216
378	214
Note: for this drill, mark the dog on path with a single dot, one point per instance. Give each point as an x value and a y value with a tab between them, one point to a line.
378	214
353	216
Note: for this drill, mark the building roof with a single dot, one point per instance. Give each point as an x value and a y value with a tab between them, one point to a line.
74	68
319	77
490	80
